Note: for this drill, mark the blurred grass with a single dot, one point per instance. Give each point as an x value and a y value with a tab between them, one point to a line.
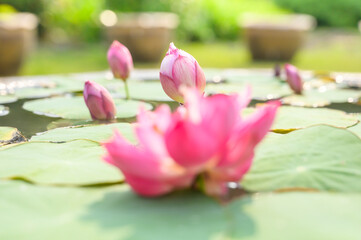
321	55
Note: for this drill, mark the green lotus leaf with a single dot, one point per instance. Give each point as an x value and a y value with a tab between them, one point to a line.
71	163
315	98
114	213
260	91
151	90
75	108
320	157
7	99
98	133
293	118
357	128
10	135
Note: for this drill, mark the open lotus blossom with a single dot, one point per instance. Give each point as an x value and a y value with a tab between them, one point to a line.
294	79
99	102
179	68
206	137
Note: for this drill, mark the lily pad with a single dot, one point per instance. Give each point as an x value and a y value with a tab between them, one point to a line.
114	213
3	110
253	78
293	118
315	98
260	91
10	135
357	128
37	92
151	91
72	163
7	99
305	101
75	108
97	133
320	157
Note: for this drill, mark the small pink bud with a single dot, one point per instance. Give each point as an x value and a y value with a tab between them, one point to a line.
98	101
294	79
277	70
178	69
120	60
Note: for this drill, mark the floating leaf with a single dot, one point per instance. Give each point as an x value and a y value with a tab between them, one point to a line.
315	98
292	118
98	133
320	157
305	101
151	90
3	110
7	99
357	128
114	213
260	91
75	108
74	163
10	135
37	92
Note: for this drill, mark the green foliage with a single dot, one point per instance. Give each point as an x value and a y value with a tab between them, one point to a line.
337	13
77	19
33	6
200	19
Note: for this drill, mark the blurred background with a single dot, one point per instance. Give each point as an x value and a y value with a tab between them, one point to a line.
66	36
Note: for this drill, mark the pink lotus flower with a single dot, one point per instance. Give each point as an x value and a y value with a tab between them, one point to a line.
294	79
120	60
206	137
147	167
98	101
178	69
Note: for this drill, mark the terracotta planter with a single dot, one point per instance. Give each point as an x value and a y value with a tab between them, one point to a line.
17	37
276	37
147	35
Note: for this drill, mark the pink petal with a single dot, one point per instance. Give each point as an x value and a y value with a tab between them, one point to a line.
261	121
190	145
200	78
95	106
293	78
184	72
170	88
131	159
120	60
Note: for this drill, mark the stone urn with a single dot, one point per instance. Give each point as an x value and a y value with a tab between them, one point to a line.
18	35
275	37
146	35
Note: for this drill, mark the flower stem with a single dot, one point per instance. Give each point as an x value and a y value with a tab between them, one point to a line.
127	96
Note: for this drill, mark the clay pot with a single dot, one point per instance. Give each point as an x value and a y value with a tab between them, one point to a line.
18	35
146	35
276	37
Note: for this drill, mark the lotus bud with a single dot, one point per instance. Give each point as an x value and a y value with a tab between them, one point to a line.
178	69
294	79
277	70
99	102
120	60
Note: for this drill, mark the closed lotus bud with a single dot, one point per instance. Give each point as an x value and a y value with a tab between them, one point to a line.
99	102
277	70
120	60
178	69
294	79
